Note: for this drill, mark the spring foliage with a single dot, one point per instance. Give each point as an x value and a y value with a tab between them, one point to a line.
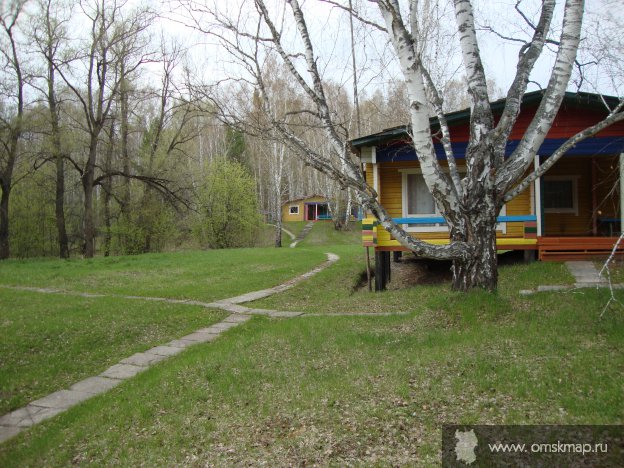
228	208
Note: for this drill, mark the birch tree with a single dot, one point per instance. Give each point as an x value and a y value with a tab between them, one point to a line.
470	202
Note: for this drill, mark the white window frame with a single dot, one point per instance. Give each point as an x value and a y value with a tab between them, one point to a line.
439	227
404	204
290	210
572	178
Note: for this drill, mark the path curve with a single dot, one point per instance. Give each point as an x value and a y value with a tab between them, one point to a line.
57	402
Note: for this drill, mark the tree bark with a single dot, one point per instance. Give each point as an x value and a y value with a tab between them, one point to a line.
59	208
88	222
479	269
59	201
4	222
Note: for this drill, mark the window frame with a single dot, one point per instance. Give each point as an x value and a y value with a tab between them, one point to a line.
560	178
404	204
290	210
438	227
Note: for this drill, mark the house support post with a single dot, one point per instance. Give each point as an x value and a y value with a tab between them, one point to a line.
368	269
382	270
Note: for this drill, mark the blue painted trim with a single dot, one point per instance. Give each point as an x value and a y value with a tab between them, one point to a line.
440	220
402	151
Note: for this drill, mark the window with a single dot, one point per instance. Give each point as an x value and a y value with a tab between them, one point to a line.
294	210
560	194
418	203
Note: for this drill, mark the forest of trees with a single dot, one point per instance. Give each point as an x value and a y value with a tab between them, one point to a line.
110	144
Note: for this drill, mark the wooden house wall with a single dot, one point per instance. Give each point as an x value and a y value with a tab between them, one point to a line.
390	183
606	194
286	216
569	121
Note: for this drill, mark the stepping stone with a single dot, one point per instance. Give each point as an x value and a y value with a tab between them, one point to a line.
236	318
62	399
201	337
252	296
6	432
28	416
165	350
41	414
551	288
21	417
122	371
95	385
143	359
230	307
181	343
218	327
275	313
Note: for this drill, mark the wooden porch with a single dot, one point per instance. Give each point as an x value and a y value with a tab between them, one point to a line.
561	249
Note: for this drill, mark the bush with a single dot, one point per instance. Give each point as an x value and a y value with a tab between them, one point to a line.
228	208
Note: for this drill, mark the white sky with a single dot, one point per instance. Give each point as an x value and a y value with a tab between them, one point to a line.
329	28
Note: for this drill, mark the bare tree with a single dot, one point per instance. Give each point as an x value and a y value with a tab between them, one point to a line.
11	119
49	34
95	80
469	202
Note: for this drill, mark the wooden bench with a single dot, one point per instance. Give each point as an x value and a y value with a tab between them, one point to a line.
576	248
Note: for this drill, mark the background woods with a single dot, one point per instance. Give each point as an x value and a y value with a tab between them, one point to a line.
111	144
121	125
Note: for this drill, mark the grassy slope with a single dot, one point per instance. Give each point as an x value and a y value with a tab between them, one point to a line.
338	390
332	290
332	390
48	342
201	275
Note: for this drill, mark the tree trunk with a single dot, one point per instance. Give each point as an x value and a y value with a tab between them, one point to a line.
107	186
480	269
278	232
4	222
107	219
88	223
59	202
59	207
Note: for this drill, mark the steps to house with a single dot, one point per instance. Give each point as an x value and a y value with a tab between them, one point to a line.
304	232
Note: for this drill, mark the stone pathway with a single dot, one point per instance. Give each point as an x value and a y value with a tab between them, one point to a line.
16	421
304	232
585	275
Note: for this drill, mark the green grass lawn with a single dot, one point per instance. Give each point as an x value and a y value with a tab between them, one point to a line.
347	390
344	390
323	233
332	290
49	342
294	226
200	275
